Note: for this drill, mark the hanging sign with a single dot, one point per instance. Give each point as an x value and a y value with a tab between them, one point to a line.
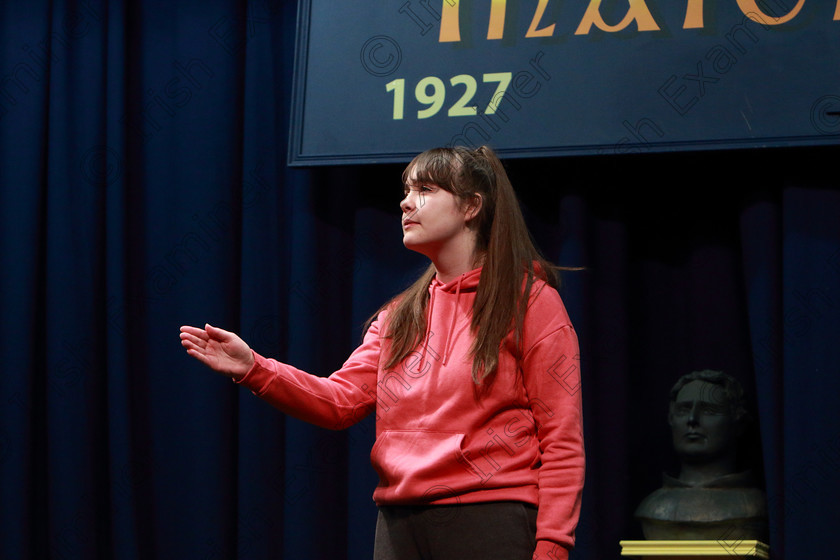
378	82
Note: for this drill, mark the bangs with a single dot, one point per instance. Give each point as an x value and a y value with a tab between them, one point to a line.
439	166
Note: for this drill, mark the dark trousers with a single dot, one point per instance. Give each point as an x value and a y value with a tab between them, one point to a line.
486	531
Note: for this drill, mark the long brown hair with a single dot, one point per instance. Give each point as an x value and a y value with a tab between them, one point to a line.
510	258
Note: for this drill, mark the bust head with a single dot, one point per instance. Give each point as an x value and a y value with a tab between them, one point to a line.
706	415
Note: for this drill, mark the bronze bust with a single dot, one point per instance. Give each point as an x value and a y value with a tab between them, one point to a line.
710	499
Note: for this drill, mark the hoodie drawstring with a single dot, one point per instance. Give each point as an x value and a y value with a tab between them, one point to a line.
448	335
428	325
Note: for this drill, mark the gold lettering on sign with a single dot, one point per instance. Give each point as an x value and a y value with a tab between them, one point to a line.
694	15
450	28
638	12
752	11
496	28
545	31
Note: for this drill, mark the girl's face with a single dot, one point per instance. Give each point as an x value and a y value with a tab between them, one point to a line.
433	219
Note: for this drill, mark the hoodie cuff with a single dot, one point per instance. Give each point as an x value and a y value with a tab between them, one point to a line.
258	377
547	550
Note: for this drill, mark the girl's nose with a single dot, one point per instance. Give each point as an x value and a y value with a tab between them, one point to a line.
407	203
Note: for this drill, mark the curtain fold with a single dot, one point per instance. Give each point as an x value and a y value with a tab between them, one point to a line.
144	185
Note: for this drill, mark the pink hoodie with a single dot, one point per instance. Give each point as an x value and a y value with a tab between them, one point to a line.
442	440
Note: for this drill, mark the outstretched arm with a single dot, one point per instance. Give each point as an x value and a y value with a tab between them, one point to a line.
334	402
218	349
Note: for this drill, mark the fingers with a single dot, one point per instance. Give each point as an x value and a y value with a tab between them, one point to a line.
197	340
194	331
192	343
192	337
199	337
217	333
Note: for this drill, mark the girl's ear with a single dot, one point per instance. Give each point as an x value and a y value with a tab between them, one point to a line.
473	206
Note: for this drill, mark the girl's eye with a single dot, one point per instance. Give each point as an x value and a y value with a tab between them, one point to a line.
418	188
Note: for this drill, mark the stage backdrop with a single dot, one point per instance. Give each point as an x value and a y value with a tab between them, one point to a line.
144	185
378	82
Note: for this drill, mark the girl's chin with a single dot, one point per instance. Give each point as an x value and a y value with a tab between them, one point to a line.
415	246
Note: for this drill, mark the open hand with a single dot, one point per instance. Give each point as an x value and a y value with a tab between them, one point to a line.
218	349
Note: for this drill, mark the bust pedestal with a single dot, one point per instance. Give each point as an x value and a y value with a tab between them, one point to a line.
695	550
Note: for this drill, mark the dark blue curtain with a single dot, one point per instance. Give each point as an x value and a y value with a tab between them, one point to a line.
143	185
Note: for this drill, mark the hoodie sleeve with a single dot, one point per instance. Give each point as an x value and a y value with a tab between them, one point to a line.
335	402
552	380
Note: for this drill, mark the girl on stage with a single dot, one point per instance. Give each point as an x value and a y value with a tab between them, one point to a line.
472	373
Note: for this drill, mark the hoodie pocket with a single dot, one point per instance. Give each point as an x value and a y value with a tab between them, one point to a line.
415	465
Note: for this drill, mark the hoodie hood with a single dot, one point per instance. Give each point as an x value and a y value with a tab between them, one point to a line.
466	282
